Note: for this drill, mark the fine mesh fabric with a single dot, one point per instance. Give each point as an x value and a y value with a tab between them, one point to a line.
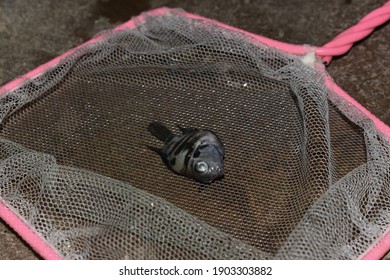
306	173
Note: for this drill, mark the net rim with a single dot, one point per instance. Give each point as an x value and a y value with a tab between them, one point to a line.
28	234
378	250
41	246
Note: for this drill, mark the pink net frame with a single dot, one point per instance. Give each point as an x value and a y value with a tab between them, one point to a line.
340	45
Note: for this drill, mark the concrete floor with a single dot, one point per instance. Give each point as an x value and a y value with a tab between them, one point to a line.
34	33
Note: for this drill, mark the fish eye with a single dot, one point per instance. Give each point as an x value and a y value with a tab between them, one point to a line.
201	167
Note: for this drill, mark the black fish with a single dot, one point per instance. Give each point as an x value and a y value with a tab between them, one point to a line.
196	153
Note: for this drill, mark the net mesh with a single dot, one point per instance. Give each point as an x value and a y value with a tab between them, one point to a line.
306	173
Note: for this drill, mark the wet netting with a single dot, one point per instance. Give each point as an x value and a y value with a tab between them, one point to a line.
307	174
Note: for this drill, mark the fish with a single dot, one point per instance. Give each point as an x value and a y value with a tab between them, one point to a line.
195	153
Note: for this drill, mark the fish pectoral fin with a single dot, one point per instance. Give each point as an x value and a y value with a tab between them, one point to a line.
156	150
187	130
160	152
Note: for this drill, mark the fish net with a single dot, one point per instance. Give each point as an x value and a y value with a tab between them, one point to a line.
307	173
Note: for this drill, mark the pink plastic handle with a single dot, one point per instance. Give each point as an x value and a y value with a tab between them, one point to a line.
343	42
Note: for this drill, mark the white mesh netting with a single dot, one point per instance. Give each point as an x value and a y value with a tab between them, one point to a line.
306	173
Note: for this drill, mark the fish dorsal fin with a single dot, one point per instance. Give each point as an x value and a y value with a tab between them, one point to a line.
187	130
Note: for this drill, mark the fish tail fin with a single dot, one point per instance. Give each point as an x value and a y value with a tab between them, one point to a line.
160	131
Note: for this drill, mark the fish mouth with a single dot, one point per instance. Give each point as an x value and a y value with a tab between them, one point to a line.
218	171
218	174
217	178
